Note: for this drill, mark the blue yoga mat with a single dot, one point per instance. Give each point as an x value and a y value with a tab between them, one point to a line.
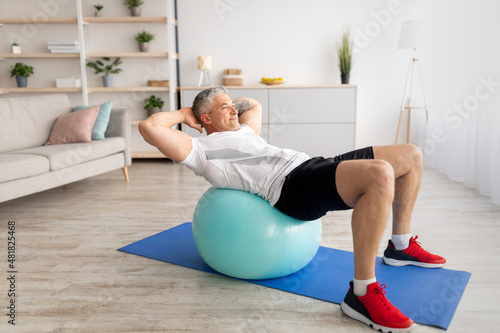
428	296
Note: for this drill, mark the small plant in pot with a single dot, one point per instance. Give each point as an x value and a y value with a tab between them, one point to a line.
98	9
135	6
109	68
153	104
345	56
21	72
16	48
143	38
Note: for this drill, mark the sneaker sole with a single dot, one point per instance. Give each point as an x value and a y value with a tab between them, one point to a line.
350	312
395	262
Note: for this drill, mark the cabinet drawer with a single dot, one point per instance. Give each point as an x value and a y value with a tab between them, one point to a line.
312	105
314	139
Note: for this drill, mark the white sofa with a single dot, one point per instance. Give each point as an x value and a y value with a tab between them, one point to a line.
27	166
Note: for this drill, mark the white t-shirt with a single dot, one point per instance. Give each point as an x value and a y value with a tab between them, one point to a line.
242	160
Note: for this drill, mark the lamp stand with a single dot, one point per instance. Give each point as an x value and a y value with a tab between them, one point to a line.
408	94
205	76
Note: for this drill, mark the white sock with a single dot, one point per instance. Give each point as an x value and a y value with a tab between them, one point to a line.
360	286
401	242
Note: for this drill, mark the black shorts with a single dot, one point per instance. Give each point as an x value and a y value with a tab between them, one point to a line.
309	191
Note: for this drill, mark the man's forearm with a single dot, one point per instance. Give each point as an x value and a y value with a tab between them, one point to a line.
160	121
165	119
243	104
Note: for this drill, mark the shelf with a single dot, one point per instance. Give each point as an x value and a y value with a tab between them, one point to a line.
126	89
129	19
38	55
281	86
127	55
48	20
40	90
74	20
4	56
147	154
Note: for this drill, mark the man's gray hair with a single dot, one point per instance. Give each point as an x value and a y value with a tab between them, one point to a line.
203	101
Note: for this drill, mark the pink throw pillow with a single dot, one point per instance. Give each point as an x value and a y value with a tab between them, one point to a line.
74	127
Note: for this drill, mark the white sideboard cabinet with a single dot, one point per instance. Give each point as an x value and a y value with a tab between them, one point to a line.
318	120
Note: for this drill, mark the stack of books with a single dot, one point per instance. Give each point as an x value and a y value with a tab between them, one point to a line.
64	47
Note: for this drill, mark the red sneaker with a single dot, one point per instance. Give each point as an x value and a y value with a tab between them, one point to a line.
414	254
375	310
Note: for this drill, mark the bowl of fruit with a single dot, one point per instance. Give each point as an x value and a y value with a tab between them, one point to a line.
272	81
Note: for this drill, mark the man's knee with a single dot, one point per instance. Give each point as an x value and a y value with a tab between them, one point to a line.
415	157
381	178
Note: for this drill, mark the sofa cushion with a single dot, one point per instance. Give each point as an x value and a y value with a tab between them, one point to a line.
28	121
66	155
74	127
101	123
16	166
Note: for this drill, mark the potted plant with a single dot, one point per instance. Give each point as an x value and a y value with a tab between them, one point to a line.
107	69
21	72
16	48
153	104
134	5
143	38
345	56
98	8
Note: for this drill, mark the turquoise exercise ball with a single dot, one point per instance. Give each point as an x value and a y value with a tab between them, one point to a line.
241	235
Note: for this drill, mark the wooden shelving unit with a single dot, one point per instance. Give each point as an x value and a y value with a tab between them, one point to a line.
80	21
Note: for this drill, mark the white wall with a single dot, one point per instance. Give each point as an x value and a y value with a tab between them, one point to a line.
297	40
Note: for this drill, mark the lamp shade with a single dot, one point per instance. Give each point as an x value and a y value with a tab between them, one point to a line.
411	35
205	62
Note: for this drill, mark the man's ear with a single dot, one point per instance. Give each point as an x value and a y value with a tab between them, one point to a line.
205	118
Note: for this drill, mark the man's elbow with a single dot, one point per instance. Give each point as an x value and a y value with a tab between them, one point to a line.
144	129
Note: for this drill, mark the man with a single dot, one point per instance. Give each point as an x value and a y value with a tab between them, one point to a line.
369	181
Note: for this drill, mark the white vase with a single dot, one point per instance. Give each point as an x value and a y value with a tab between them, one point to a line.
16	49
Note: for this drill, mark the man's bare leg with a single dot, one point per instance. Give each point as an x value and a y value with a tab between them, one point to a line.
407	162
368	187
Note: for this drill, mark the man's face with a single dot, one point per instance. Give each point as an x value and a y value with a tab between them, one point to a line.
223	116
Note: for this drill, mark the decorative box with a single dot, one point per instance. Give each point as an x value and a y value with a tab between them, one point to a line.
158	83
232	77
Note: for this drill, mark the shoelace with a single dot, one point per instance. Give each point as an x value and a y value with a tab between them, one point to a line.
414	249
378	301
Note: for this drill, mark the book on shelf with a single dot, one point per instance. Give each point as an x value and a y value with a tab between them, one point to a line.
65	51
64	46
64	43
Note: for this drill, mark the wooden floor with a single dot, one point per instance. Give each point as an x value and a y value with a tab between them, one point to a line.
71	278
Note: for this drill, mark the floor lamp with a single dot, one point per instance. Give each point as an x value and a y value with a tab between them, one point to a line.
411	39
